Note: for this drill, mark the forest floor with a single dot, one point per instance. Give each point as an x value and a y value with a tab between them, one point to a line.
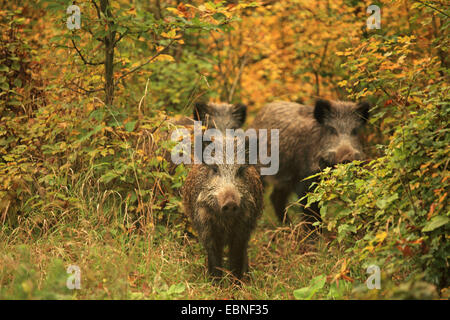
154	262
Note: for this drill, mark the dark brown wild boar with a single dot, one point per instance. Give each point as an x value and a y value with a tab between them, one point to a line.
310	139
224	202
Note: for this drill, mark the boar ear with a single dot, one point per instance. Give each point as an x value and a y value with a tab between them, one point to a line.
200	111
363	110
321	110
240	113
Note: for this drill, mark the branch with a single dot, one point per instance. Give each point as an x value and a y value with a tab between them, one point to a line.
219	65
157	127
92	34
83	89
238	77
145	63
324	53
436	9
80	92
121	36
97	8
83	58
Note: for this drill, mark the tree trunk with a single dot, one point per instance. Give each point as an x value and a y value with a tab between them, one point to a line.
109	53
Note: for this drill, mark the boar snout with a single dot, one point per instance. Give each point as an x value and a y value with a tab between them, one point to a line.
228	200
347	155
229	207
343	155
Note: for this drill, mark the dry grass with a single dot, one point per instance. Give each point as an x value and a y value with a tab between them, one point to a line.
149	262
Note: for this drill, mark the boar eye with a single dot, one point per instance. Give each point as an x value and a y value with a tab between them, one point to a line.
241	171
332	130
354	131
214	169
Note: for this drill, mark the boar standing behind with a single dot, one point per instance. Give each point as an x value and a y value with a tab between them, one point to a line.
212	115
220	116
311	138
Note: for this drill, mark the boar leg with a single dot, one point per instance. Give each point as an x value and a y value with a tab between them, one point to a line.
279	199
238	256
214	249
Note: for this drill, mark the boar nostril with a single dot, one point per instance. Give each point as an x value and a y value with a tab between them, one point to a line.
229	207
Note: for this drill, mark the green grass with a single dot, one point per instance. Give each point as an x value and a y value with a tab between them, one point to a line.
150	262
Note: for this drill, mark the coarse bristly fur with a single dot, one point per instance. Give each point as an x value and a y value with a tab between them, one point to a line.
310	139
205	192
223	201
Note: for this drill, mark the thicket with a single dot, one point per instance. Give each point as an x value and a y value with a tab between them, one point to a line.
393	211
84	116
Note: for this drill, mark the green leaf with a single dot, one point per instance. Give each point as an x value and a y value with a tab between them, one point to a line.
136	296
384	202
176	288
302	294
435	222
129	126
4	86
343	231
17	82
90	133
15	66
106	178
8	158
315	285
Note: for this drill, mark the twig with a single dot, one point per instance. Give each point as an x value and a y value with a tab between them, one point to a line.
408	193
238	77
121	36
145	63
92	34
160	124
5	212
436	9
143	97
219	64
97	8
83	58
83	89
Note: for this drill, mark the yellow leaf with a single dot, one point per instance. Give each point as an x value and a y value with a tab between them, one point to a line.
381	236
165	57
171	34
176	11
209	7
